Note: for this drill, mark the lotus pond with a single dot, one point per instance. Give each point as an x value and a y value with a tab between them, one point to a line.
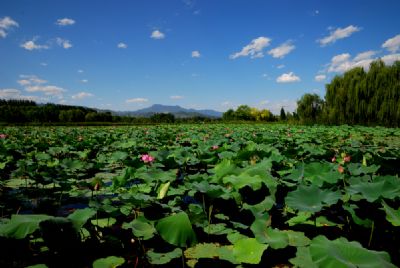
200	196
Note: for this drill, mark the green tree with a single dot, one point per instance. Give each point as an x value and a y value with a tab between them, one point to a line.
282	116
309	108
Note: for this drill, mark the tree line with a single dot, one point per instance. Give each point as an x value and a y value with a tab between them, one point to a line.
27	111
247	113
357	97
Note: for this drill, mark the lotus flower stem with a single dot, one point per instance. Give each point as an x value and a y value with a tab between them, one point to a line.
371	234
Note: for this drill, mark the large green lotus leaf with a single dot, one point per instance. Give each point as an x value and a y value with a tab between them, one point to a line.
262	170
80	216
277	238
248	250
141	228
297	239
224	168
392	215
303	217
318	173
153	174
385	186
303	259
41	265
260	208
118	156
105	222
217	229
20	226
109	262
177	230
357	169
311	148
300	218
311	198
163	258
342	253
72	164
209	251
18	182
273	237
243	180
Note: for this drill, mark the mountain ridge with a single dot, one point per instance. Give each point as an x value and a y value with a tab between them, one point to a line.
176	110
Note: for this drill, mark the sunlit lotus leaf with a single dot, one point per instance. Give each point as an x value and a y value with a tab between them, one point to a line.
109	262
177	230
163	258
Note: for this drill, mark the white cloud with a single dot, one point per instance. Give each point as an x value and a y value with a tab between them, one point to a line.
282	50
6	24
82	95
122	45
340	58
65	22
337	34
288	78
32	83
9	93
392	44
48	90
80	71
280	66
391	58
364	55
137	100
30	79
63	43
196	54
320	77
156	34
43	64
84	80
254	49
340	63
343	62
176	97
31	45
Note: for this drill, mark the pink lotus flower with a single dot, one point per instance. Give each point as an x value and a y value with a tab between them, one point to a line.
3	136
147	158
340	169
347	158
214	147
333	159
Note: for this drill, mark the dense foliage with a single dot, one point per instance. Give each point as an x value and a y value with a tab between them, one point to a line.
200	196
247	113
357	97
25	112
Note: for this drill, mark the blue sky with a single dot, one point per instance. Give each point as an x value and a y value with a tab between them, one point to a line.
217	54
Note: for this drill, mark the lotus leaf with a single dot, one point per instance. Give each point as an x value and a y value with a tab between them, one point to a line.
311	198
109	262
177	230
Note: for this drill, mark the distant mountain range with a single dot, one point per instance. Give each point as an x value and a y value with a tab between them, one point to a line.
177	111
